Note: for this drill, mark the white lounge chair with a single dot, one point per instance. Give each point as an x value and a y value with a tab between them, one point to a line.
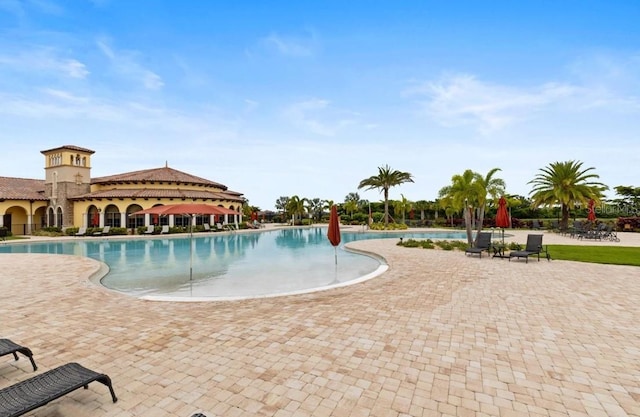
104	231
150	230
165	230
82	231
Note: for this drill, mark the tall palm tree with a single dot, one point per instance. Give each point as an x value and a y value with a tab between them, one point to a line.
565	183
385	179
487	186
401	207
463	194
350	206
422	206
296	206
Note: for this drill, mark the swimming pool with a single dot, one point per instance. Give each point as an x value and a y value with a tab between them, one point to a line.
227	266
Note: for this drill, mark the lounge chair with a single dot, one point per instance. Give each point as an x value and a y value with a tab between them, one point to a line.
207	228
104	231
483	243
37	391
82	231
151	229
8	347
164	230
535	224
534	247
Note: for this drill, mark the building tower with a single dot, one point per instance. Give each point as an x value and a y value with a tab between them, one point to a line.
67	174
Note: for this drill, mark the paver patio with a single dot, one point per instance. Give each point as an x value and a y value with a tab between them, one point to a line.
439	334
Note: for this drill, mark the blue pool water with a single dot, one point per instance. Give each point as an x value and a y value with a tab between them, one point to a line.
229	266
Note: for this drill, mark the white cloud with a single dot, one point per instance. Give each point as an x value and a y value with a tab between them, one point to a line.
44	60
291	46
464	100
125	63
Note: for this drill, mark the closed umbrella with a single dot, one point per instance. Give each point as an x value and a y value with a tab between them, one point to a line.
333	234
186	209
591	216
502	216
95	221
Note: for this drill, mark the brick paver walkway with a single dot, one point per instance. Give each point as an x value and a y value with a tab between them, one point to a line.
439	334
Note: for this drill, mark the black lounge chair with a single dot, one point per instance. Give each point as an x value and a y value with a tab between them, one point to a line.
8	347
534	247
40	390
198	415
483	243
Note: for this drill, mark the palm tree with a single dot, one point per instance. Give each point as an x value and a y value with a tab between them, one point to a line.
463	194
296	206
487	185
565	183
352	197
314	206
402	207
422	206
385	179
350	206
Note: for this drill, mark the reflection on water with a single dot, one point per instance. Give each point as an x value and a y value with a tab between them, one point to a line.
233	265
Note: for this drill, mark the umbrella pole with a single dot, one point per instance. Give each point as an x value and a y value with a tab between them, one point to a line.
335	248
191	251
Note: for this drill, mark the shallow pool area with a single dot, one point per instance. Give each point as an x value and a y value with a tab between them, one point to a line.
227	266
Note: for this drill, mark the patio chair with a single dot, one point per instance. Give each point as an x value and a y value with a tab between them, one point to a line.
104	231
483	243
37	391
534	247
151	229
207	228
610	234
164	230
81	231
535	224
9	347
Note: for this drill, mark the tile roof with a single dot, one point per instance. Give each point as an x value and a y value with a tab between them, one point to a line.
161	193
21	189
69	147
164	174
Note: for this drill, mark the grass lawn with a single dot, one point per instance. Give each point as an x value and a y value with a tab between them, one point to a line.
619	255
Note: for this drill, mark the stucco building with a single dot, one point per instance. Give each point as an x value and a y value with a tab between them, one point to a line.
70	197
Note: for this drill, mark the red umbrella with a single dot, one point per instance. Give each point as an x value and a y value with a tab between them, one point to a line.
592	211
502	217
96	219
333	233
190	209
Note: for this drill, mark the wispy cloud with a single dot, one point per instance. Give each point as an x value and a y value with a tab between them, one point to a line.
44	60
464	100
126	64
294	46
319	117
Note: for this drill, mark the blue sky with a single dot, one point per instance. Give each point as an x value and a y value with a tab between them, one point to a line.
307	98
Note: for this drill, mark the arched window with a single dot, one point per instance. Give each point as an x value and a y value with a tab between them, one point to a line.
59	218
134	221
112	216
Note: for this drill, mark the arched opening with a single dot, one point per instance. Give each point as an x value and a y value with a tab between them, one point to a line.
134	221
51	218
112	216
59	217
